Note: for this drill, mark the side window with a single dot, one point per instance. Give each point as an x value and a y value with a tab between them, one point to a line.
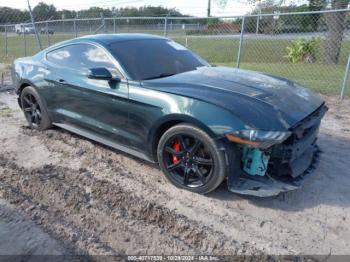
82	57
59	56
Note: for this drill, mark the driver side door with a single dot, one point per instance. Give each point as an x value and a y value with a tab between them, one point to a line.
97	108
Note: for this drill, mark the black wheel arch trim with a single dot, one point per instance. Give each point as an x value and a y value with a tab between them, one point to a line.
22	84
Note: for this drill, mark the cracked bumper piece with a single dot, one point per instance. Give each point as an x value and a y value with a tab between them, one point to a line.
291	162
268	186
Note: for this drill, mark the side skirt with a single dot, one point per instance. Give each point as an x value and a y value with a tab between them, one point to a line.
103	141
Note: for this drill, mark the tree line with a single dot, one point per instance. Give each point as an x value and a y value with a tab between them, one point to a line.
43	12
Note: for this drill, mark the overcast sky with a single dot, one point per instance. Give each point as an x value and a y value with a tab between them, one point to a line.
190	7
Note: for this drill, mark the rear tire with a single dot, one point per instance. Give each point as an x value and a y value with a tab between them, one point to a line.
34	109
191	159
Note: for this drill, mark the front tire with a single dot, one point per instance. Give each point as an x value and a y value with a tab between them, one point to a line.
34	109
191	159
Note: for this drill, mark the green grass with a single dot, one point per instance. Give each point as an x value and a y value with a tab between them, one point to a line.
265	55
269	56
320	78
223	50
16	47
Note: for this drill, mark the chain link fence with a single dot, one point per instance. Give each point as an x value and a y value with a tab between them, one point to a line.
311	48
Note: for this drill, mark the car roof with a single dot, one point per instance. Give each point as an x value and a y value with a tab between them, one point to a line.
101	39
107	39
104	39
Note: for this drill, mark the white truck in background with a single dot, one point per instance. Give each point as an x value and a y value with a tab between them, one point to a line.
24	29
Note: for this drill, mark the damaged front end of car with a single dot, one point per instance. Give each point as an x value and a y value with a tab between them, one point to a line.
274	162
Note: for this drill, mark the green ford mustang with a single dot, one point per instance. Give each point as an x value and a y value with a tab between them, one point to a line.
153	98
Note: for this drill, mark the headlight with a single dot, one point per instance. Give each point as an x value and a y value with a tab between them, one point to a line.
258	138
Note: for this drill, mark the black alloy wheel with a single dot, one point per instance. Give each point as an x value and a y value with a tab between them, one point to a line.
191	159
34	109
188	161
31	110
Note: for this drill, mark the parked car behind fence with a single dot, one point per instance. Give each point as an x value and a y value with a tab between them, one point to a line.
24	29
45	31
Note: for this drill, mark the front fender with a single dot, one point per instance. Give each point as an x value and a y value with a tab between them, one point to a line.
153	111
215	121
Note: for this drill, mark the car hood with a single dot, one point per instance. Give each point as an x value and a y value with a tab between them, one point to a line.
259	100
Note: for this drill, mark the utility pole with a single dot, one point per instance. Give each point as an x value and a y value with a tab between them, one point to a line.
36	32
209	7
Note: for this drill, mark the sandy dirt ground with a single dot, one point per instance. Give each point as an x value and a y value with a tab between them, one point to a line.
89	199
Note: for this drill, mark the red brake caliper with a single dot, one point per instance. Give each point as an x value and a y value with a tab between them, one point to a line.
176	147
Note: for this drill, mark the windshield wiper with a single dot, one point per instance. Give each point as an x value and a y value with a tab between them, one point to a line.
159	76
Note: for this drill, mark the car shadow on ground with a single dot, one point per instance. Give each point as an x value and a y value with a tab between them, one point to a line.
329	184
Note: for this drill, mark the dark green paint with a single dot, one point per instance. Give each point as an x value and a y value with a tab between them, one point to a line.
130	113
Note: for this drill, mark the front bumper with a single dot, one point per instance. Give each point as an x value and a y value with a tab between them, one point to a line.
290	163
267	185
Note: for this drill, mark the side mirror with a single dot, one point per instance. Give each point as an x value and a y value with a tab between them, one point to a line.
100	73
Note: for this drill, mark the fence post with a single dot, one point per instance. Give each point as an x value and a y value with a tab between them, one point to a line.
114	26
47	34
258	17
103	23
6	51
75	27
240	42
166	26
25	43
346	76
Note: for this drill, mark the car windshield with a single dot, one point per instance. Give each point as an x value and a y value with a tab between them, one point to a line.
155	58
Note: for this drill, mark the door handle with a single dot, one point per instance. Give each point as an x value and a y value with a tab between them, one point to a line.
61	81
